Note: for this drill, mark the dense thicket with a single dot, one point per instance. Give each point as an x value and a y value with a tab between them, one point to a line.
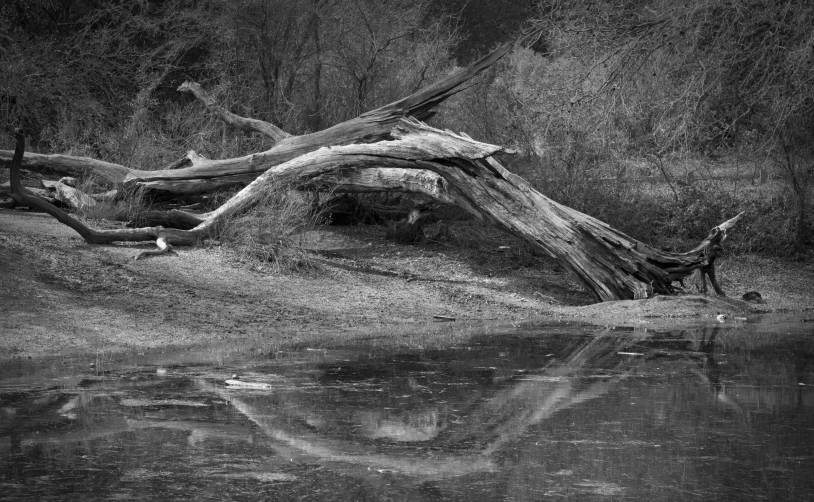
660	117
713	98
100	78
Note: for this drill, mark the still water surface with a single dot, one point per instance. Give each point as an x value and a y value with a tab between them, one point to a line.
722	412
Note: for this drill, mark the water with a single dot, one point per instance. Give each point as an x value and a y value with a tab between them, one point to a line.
721	412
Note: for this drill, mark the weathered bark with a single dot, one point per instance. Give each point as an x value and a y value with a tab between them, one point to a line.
67	165
191	158
68	195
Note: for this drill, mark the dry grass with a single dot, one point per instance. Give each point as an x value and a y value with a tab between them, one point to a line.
266	236
128	205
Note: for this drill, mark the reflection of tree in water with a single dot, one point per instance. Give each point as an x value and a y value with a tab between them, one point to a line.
432	440
459	446
563	407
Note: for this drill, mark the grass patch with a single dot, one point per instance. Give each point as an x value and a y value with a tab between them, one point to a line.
266	236
127	205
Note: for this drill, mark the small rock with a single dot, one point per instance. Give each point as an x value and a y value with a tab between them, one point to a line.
752	296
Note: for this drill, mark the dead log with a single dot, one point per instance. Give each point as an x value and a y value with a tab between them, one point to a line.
109	196
173	218
43	194
242	123
610	264
67	165
376	151
24	197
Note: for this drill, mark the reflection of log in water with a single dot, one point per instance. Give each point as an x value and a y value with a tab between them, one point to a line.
496	422
61	418
507	415
308	446
710	372
198	432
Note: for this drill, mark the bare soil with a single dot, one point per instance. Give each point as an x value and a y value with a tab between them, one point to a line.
62	296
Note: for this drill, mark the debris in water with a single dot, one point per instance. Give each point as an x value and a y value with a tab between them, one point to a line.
248	385
136	403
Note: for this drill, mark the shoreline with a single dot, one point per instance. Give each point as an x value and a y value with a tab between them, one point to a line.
63	297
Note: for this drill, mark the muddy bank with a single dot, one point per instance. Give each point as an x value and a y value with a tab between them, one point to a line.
60	295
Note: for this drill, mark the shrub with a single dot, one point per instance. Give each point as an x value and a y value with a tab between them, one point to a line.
266	236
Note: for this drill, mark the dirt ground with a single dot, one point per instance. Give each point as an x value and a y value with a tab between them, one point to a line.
59	295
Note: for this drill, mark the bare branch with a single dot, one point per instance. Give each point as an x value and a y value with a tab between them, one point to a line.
242	123
24	198
211	174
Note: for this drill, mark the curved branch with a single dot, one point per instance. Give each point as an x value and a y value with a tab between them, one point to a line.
611	264
242	123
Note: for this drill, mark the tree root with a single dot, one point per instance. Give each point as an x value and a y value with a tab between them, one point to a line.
164	247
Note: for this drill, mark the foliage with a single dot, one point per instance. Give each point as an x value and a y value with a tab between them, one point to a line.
83	75
702	74
100	78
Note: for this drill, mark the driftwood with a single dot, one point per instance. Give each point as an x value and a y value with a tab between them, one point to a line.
389	149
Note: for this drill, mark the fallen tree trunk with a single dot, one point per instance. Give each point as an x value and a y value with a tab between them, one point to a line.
611	264
388	149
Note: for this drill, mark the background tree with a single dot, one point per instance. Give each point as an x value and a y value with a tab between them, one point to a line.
613	95
657	116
